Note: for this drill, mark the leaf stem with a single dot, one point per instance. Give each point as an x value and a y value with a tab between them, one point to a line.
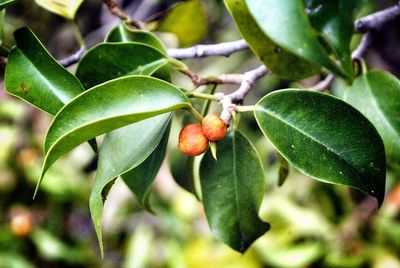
196	114
202	96
246	108
206	106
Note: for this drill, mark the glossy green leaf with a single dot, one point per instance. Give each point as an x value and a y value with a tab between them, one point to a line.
287	24
5	3
232	190
33	75
107	61
324	138
123	150
65	8
122	33
182	169
377	95
334	19
278	60
106	107
187	20
140	178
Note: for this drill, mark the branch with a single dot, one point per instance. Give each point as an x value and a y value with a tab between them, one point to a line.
212	80
377	20
229	101
116	11
359	52
323	84
370	24
74	58
200	51
360	216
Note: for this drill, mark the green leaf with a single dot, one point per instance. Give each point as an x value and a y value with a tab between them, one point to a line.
280	61
67	9
106	107
325	138
182	170
287	24
377	95
107	61
187	20
125	149
232	189
122	33
140	178
335	21
5	3
33	75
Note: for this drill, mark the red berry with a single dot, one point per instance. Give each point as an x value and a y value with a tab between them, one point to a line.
192	140
214	128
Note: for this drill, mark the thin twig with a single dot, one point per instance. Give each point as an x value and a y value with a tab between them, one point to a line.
200	51
74	58
212	80
323	84
375	21
359	52
117	11
229	101
360	216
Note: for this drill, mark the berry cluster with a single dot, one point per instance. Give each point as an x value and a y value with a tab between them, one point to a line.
194	138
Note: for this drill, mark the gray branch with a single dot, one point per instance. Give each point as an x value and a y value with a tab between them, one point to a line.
199	51
74	58
370	24
377	20
229	101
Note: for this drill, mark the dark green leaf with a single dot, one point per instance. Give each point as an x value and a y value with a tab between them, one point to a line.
334	19
5	3
324	138
107	61
278	60
106	107
187	20
182	170
122	33
33	75
287	24
232	190
124	149
377	95
140	178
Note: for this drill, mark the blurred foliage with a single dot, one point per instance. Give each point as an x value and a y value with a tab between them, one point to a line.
312	224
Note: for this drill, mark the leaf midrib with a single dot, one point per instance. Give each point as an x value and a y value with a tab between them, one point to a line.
43	77
318	142
237	201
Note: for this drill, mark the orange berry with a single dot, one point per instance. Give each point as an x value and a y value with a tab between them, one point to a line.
192	140
21	224
214	128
